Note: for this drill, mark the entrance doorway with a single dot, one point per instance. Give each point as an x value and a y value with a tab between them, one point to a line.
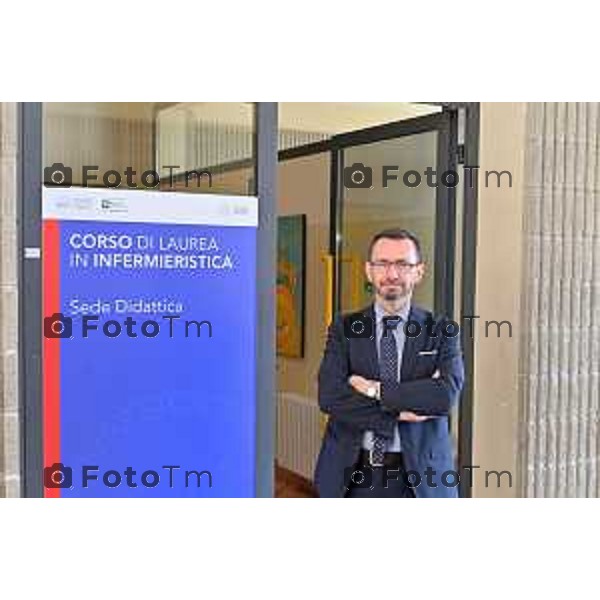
341	217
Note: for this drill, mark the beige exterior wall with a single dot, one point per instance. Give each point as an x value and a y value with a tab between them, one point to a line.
498	297
9	420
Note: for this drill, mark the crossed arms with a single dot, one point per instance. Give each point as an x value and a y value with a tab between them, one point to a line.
342	394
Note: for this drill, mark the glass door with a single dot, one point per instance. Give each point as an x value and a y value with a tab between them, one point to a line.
402	175
399	175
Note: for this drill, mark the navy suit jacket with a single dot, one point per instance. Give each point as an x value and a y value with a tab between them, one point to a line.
424	445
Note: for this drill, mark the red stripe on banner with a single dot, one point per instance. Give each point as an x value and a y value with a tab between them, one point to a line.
51	349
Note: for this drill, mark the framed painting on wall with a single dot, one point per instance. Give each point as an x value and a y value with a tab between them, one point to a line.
291	283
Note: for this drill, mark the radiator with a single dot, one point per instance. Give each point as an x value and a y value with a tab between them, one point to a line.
298	433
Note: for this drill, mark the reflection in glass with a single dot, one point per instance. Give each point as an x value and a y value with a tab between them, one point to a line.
121	144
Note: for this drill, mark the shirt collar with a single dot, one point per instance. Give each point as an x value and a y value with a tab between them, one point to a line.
380	312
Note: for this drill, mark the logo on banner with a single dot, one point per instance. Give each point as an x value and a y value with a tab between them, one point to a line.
113	206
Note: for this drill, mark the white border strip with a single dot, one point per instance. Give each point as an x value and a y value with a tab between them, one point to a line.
141	206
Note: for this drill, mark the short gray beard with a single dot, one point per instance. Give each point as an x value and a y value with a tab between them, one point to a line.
400	297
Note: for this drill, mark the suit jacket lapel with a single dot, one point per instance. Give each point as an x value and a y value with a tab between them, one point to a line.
370	348
411	346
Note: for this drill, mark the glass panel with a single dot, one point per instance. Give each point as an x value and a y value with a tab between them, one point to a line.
368	210
196	147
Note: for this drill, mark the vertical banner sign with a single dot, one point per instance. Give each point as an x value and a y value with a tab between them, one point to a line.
149	302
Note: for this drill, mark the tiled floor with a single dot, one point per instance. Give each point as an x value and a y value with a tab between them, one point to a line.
290	485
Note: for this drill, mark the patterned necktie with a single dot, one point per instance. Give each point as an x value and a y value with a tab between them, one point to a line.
388	369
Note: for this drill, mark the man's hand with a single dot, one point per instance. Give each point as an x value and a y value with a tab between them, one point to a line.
411	417
362	385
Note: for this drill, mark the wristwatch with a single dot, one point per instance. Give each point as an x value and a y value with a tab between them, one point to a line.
372	392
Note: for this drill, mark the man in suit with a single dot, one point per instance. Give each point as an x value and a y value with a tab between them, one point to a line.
388	388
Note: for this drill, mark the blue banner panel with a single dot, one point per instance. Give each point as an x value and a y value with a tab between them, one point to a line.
151	334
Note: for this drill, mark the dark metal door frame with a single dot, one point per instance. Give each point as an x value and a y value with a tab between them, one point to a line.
29	224
29	219
446	123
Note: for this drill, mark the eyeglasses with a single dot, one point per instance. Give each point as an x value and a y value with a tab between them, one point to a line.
399	266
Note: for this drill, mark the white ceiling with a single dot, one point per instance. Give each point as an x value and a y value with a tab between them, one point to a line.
339	117
317	117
